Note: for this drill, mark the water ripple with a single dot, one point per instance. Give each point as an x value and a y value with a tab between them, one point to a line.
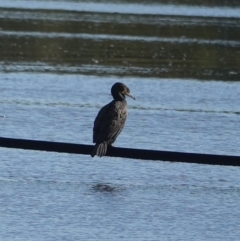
151	9
122	38
89	105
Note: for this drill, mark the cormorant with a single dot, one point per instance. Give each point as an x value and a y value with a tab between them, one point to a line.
110	119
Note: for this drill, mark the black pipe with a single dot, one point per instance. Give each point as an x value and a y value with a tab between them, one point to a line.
122	152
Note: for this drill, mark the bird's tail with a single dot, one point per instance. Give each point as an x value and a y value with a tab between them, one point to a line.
100	149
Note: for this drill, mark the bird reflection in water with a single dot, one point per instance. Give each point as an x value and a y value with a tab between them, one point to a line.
101	187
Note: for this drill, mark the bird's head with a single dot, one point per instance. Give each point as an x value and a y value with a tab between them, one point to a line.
120	90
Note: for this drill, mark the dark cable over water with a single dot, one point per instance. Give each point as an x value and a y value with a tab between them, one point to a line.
153	155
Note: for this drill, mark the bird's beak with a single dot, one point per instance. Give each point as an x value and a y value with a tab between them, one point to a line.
128	94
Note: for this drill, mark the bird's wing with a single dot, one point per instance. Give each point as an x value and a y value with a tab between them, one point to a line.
101	116
109	123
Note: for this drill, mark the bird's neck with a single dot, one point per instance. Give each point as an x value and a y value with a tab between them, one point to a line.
118	97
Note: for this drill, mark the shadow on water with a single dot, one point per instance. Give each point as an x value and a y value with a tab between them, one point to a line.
106	188
133	44
174	188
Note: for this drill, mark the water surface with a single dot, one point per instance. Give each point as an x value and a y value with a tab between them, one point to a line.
58	61
150	40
